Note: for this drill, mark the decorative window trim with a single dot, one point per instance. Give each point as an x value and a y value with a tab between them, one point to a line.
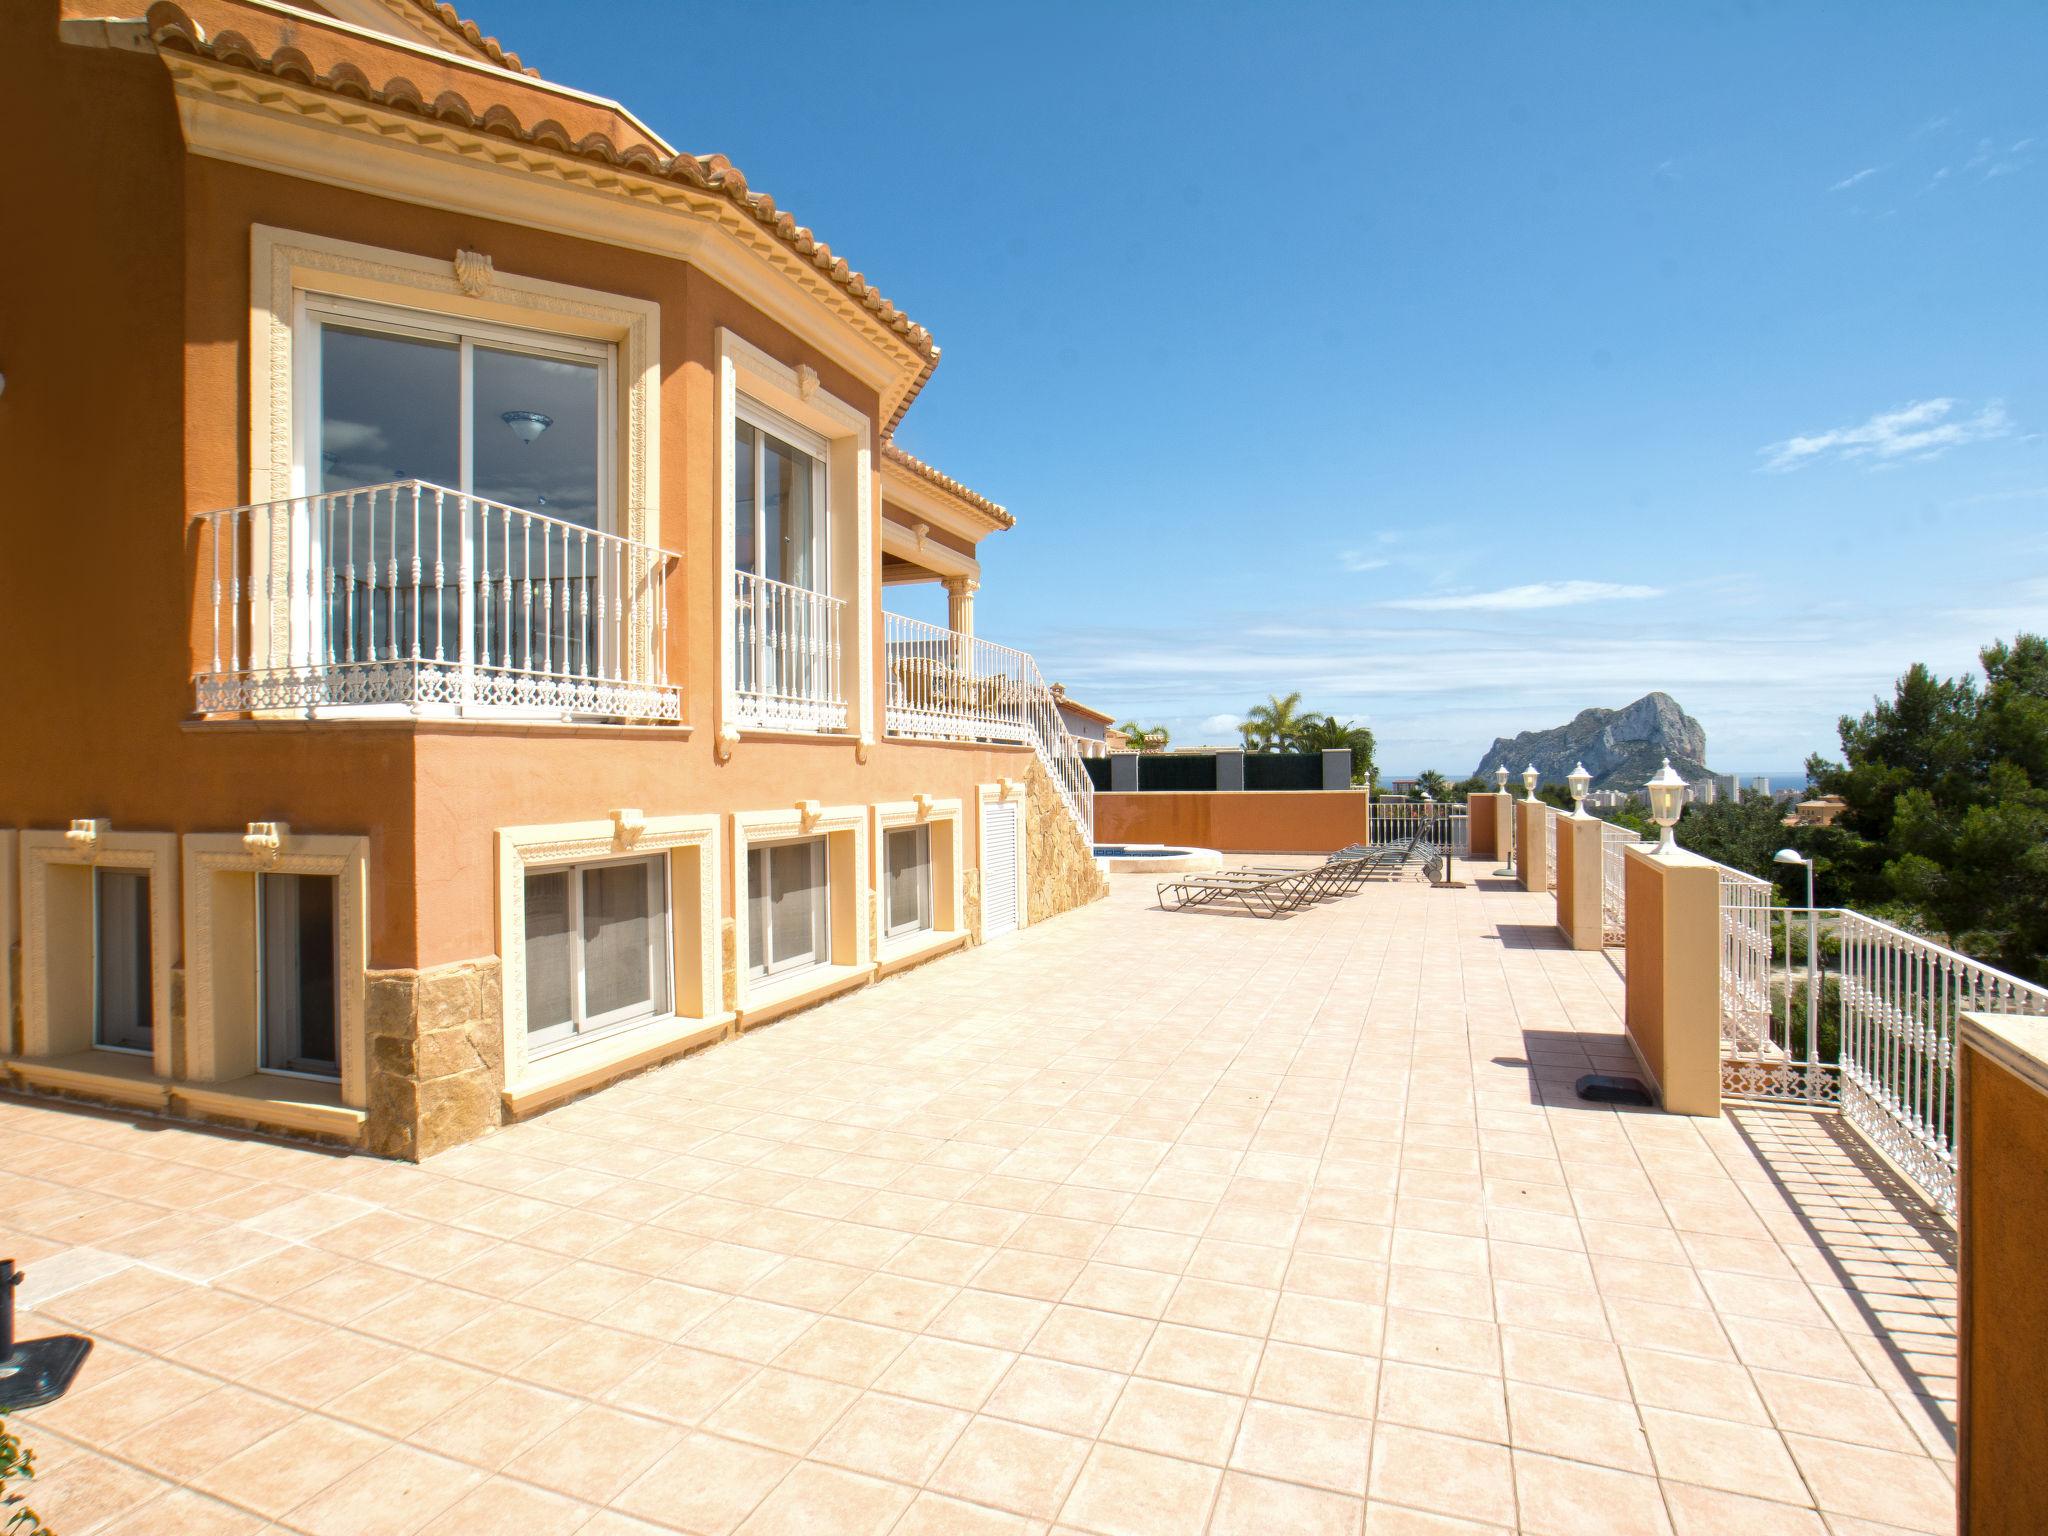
1011	790
626	833
948	905
91	844
744	369
847	887
464	286
271	849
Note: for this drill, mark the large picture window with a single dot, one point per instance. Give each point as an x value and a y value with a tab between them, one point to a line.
907	881
788	912
778	501
297	992
597	947
124	1011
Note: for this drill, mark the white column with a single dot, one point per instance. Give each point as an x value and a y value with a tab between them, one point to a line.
960	592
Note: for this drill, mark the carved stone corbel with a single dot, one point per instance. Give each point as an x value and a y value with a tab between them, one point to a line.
1010	788
473	272
84	834
862	746
628	822
726	742
808	812
923	802
806	381
263	841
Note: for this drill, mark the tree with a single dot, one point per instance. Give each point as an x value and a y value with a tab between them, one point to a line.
1946	786
1744	834
1140	739
1433	784
1275	725
1322	733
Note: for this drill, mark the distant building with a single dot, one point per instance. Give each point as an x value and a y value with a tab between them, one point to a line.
1728	784
1819	812
1402	787
1090	728
1760	785
1705	792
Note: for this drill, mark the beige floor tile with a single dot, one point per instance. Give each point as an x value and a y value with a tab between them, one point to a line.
933	1514
1578	1426
681	1385
185	1512
1451	1402
1709	1512
1715	1453
1326	1379
1082	1336
826	1501
1906	1491
597	1452
1258	1506
491	1425
392	1495
705	1485
1073	1399
1432	1338
1302	1445
1026	1471
1569	1498
897	1438
1383	1519
1175	1421
1124	1492
1835	1410
285	1469
781	1410
501	1507
1199	1357
1443	1474
946	1372
202	1434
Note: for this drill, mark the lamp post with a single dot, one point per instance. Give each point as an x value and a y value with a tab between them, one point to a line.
1794	856
1507	847
1578	781
1530	779
1667	797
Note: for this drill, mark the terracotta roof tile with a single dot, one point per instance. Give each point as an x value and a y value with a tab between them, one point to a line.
170	26
945	482
445	16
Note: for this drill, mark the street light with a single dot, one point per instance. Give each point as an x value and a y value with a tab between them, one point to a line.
1794	856
1500	779
1578	781
1530	779
1667	796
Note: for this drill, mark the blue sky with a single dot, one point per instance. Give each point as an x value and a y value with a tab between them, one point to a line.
1461	366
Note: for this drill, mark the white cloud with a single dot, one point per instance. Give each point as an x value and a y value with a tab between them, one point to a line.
1919	430
1537	594
1849	181
1358	560
1219	725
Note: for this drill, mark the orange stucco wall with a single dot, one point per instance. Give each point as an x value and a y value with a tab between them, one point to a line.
2002	1470
1248	821
1479	819
125	412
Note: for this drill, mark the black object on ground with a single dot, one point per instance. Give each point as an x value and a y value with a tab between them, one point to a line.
1600	1088
34	1371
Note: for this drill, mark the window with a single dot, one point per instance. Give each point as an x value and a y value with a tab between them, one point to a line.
907	877
298	982
597	947
788	922
123	1005
778	501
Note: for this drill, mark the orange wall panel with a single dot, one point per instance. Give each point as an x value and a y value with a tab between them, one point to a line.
1246	821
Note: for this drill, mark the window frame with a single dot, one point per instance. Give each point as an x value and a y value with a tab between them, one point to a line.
96	938
311	309
580	1027
820	953
262	990
926	920
769	422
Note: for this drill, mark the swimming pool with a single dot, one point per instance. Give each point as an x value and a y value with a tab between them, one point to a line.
1147	858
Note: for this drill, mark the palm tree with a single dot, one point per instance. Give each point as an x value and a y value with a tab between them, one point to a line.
1433	784
1275	725
1320	733
1139	739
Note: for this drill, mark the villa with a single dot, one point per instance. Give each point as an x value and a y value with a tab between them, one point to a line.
482	688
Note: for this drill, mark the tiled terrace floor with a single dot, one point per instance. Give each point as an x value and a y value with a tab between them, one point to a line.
1138	1222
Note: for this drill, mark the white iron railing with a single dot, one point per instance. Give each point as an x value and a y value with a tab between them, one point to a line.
1444	823
1614	879
1745	961
946	686
787	655
1866	1015
1550	819
415	595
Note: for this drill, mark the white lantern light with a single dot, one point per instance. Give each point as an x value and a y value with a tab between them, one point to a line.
1530	779
1500	779
1578	781
1667	798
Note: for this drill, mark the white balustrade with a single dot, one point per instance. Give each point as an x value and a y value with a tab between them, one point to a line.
946	686
788	655
415	595
1444	824
1550	819
1745	959
1613	879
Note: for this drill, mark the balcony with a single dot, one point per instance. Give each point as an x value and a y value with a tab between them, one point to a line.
943	685
416	599
788	656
